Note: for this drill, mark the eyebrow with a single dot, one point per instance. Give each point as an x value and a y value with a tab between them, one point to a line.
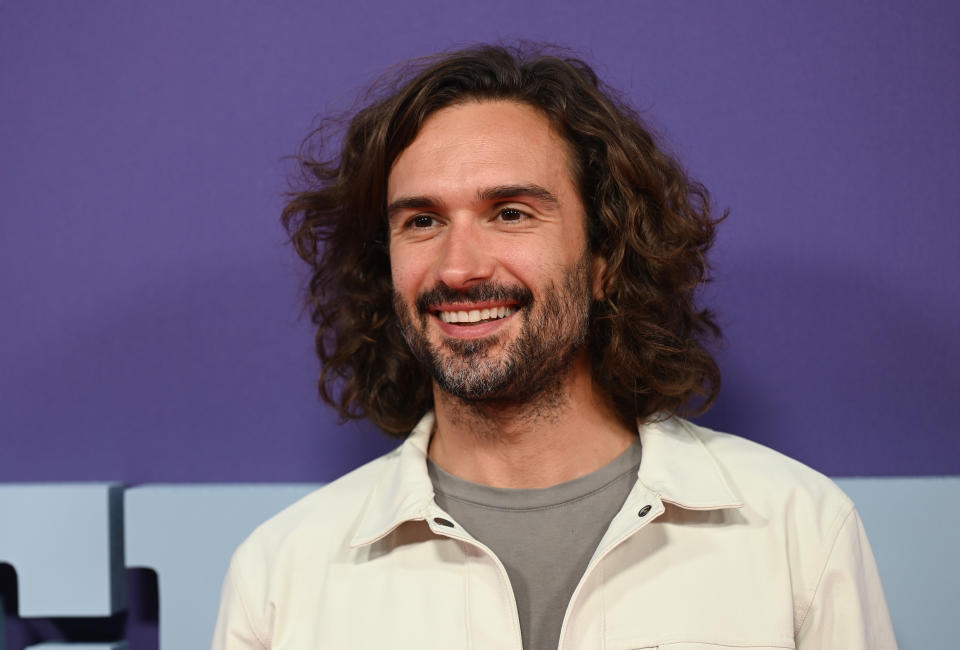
515	191
496	193
412	203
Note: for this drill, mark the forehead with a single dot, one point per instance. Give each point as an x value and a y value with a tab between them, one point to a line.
481	143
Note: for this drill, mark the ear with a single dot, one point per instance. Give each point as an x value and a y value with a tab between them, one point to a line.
598	278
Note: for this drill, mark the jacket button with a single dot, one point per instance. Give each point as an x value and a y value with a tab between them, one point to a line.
643	511
447	522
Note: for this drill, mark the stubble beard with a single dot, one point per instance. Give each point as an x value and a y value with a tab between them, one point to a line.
530	368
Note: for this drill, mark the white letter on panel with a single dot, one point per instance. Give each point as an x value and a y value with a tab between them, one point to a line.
65	541
187	533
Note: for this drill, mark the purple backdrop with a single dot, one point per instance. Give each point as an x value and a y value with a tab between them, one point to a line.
150	324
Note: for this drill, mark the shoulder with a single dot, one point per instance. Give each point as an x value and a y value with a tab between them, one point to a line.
779	515
814	526
323	522
753	465
290	553
771	485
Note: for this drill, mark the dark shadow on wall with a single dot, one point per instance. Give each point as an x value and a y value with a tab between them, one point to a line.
144	613
138	625
8	589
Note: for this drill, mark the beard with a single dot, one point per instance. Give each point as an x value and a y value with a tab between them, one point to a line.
553	331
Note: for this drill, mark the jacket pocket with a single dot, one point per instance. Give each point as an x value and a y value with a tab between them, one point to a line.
698	646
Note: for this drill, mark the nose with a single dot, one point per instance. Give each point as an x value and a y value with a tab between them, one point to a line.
465	259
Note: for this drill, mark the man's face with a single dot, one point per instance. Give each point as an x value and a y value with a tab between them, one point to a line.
491	273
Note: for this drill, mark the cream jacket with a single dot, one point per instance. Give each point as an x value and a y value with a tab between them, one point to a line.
722	543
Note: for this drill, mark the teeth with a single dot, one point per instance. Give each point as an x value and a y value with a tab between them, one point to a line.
476	315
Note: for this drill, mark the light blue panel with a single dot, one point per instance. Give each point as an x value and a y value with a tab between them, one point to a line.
187	533
915	534
115	645
65	541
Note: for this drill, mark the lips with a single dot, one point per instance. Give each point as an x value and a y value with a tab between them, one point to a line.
476	305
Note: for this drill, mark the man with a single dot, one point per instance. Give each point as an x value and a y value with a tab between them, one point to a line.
504	262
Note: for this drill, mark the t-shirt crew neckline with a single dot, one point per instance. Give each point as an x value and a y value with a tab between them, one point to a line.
454	487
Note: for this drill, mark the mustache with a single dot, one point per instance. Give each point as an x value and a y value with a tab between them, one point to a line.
483	292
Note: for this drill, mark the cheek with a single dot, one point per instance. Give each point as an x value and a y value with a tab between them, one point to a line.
532	262
404	272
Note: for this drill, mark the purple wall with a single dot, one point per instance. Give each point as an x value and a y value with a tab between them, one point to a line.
150	330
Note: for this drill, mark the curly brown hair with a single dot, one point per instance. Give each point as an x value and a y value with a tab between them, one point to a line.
648	220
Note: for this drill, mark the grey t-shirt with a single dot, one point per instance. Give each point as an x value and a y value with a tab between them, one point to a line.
544	537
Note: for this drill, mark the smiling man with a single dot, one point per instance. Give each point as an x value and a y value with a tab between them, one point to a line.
493	282
504	268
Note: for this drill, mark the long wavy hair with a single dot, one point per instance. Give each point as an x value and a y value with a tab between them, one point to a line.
648	220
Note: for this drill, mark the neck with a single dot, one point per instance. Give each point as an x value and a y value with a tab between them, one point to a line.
556	437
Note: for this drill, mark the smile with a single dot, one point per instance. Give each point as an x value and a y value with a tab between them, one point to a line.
475	315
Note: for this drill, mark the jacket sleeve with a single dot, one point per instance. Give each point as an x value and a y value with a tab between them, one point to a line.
848	609
235	629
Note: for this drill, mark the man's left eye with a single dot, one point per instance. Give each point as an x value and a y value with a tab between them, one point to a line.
512	214
421	221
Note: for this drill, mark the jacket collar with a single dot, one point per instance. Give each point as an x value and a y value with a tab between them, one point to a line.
404	491
676	465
